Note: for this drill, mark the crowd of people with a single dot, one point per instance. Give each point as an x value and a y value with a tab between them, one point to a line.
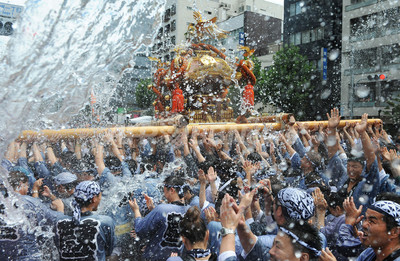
297	194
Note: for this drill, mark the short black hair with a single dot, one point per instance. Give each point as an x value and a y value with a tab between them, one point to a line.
15	178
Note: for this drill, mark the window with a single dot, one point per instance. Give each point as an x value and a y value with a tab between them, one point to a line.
320	33
313	35
241	8
173	9
207	12
167	15
248	8
390	54
189	8
305	37
299	5
173	40
167	29
297	38
173	26
365	58
292	10
291	39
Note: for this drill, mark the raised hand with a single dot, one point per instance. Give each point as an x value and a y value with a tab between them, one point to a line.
353	215
211	175
334	118
362	126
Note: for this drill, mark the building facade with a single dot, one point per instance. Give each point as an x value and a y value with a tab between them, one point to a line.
315	27
179	14
371	47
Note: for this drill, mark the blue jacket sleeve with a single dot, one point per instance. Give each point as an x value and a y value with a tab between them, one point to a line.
144	226
336	171
296	161
368	188
347	244
125	170
107	179
299	147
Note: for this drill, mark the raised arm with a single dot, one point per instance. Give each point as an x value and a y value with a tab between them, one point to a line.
361	129
333	122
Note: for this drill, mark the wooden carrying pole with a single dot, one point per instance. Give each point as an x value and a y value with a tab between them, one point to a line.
152	131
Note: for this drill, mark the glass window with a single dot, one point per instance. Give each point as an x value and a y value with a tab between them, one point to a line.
320	33
305	37
241	8
292	10
297	38
390	54
291	39
173	9
365	58
313	35
299	5
173	26
248	8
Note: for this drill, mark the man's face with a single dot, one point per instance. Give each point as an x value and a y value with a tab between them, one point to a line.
354	170
375	230
282	249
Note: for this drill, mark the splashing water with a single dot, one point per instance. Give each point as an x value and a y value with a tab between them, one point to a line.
60	51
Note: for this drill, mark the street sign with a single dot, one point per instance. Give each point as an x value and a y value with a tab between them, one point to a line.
10	11
241	38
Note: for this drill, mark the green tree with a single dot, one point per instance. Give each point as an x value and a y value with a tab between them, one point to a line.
286	84
144	96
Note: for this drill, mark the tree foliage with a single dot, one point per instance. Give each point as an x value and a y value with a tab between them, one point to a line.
144	96
286	84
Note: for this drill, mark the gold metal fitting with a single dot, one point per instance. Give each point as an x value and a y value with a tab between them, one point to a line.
223	49
185	100
167	97
149	86
154	103
167	108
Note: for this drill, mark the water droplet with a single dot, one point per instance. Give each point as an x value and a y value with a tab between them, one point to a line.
362	91
334	54
325	94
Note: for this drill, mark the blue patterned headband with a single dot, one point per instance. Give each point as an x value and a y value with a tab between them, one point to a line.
178	188
301	242
388	208
85	191
298	203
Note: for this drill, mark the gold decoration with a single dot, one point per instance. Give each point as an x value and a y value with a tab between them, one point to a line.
154	103
167	97
167	108
208	60
150	86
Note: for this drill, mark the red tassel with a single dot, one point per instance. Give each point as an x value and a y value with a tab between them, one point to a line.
248	95
177	101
